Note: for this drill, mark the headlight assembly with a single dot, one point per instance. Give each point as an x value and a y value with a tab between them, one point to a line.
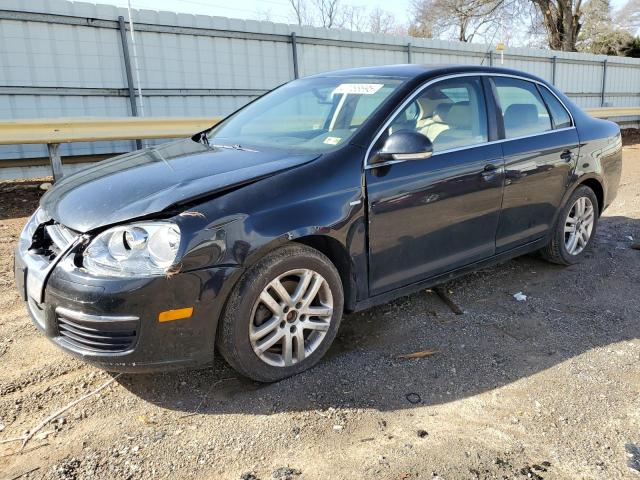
139	249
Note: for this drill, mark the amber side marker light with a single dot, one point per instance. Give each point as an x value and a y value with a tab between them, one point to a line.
178	314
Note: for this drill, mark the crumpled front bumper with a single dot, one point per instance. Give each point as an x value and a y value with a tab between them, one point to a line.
113	322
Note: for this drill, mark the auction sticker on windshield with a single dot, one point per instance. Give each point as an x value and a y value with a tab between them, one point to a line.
358	88
332	140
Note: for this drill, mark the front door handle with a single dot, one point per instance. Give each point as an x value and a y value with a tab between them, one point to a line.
567	155
489	171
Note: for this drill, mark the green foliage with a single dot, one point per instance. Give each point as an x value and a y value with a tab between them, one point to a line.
632	49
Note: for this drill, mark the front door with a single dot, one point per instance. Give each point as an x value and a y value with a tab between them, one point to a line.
433	215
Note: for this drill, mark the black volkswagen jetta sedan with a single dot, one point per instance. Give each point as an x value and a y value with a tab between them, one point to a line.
331	193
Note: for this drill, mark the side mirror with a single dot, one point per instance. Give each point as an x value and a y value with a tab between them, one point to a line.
406	145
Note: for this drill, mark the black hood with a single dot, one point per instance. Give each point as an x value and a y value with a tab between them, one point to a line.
151	180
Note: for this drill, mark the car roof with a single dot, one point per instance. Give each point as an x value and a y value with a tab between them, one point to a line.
425	71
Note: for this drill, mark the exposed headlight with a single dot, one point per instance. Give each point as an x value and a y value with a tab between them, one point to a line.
138	249
30	227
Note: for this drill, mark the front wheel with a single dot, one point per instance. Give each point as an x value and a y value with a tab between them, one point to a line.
575	228
283	315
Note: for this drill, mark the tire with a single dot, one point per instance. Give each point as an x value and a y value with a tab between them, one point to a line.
258	301
558	248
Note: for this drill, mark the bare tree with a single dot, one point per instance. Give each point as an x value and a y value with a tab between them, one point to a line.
301	12
354	18
420	29
334	14
381	21
328	12
562	22
455	19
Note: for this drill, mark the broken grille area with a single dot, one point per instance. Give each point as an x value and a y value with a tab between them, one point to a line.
50	239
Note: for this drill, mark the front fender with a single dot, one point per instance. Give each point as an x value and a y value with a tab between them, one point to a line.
315	200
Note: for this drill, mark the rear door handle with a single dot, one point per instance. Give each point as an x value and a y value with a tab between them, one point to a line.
567	155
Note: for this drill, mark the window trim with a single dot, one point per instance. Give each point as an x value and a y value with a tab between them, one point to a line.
421	88
562	105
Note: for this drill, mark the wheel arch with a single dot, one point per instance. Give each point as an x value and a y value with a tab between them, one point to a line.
596	185
328	245
338	255
594	182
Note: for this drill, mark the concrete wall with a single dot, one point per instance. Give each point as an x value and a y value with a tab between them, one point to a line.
61	59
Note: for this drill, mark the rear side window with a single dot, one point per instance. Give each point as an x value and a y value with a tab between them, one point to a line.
523	110
559	114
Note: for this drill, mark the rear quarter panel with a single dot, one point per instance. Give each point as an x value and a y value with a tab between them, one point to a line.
600	151
600	155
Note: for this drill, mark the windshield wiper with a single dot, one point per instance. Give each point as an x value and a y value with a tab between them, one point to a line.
234	147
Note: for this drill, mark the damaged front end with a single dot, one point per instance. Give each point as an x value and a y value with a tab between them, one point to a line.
110	296
120	267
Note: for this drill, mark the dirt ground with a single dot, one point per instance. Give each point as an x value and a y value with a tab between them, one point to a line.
543	388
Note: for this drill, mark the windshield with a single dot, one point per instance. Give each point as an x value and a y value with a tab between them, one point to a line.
307	115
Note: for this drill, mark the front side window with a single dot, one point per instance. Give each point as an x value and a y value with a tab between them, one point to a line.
559	114
307	115
523	110
450	113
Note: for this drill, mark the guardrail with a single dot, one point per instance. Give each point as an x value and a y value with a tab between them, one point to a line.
53	132
613	112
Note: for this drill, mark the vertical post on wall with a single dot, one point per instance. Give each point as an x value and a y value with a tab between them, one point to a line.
554	61
409	52
127	68
135	58
604	82
56	161
490	58
294	52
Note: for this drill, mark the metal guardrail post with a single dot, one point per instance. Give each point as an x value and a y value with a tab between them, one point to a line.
294	52
409	52
604	82
56	161
554	61
490	58
127	67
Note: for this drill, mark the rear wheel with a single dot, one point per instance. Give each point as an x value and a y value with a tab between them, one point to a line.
283	315
575	228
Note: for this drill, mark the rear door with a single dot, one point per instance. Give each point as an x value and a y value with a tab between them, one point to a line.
433	215
540	150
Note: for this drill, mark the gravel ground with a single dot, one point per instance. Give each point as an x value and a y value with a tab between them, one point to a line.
543	388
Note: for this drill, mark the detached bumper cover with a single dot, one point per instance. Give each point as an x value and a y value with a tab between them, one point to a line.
113	322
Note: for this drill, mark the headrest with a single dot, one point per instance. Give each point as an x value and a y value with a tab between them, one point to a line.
459	115
521	114
441	110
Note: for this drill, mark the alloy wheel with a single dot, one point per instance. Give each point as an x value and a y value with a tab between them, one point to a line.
579	225
291	317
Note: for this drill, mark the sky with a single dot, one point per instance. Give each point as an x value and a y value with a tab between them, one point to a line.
277	10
